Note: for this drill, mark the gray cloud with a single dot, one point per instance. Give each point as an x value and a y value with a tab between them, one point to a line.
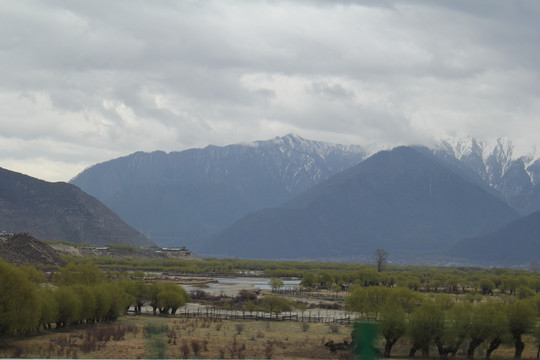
83	82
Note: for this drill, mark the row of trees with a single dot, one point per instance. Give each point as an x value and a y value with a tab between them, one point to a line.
429	280
444	321
77	294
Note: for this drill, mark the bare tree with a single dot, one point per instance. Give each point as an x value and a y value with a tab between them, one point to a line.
381	258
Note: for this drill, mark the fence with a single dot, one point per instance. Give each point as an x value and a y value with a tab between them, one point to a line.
312	294
213	313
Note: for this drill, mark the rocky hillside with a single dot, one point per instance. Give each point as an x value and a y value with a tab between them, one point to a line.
60	212
512	176
124	252
23	249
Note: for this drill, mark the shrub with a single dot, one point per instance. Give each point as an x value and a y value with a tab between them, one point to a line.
334	328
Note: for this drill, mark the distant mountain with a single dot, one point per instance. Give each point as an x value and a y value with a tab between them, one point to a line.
517	243
405	201
181	198
59	211
514	178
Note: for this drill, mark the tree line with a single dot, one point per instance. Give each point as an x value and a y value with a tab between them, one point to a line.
76	294
446	321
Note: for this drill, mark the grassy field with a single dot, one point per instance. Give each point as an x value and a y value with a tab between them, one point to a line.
160	337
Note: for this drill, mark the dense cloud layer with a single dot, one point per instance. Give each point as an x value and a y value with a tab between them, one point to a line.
84	82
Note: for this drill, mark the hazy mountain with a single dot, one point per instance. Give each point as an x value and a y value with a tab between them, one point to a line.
514	178
515	243
59	211
182	197
404	201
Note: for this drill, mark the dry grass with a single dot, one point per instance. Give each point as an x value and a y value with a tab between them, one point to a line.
200	338
182	338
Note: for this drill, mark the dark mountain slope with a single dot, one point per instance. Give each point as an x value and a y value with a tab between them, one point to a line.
514	244
23	249
183	197
399	200
59	211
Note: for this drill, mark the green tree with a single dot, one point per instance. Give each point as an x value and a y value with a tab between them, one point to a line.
69	306
88	303
49	307
455	329
521	317
19	302
499	328
424	326
408	299
523	292
393	325
308	280
276	304
367	300
275	284
79	274
171	297
486	286
487	320
138	291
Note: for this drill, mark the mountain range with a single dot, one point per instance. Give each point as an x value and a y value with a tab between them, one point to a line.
181	198
401	200
514	178
290	197
60	212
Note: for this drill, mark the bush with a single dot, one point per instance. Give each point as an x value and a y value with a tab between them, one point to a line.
334	328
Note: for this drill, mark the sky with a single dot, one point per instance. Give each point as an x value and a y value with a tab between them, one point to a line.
84	82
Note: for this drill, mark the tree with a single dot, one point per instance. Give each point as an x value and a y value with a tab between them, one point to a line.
138	290
424	326
521	317
486	286
381	258
454	330
19	302
487	320
498	329
308	280
49	307
275	284
367	301
171	297
408	299
393	325
88	302
79	274
69	306
276	304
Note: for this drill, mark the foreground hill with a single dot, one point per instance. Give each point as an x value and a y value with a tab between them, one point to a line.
516	243
24	249
61	212
403	201
180	198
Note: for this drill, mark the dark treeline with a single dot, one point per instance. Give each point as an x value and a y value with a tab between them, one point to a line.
337	275
447	321
77	294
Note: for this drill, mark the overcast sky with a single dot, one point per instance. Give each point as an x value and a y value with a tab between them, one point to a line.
83	82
